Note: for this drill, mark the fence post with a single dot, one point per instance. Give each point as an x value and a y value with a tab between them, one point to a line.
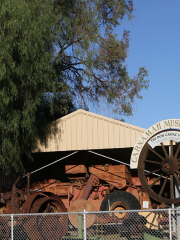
11	226
178	221
170	228
84	224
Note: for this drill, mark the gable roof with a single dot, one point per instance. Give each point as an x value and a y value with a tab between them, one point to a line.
83	130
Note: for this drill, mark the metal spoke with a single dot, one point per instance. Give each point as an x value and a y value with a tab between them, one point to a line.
163	186
157	179
177	151
157	170
157	154
48	207
163	161
152	161
164	150
177	179
171	153
171	187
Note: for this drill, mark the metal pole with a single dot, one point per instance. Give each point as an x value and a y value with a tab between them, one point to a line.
84	224
173	213
176	224
170	231
178	221
11	226
80	225
28	183
175	195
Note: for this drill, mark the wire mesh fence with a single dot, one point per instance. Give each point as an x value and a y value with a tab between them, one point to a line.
110	225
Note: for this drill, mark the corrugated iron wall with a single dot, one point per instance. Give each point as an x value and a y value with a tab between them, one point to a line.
82	130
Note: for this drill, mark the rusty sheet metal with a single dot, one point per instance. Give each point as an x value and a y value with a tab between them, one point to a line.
136	181
117	175
75	169
60	189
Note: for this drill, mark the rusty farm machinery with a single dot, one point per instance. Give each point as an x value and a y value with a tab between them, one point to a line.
97	188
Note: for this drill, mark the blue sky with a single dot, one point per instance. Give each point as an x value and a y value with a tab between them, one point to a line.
155	44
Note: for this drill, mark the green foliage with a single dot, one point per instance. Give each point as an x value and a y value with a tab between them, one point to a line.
90	57
25	74
56	56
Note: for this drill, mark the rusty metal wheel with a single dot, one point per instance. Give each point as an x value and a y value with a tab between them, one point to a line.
159	166
51	227
4	229
31	227
36	225
120	206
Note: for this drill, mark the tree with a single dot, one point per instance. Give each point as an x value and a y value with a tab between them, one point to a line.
90	57
57	55
25	74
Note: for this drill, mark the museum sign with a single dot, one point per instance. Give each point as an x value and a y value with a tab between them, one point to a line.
156	134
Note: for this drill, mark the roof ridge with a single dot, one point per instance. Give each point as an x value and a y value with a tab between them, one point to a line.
108	119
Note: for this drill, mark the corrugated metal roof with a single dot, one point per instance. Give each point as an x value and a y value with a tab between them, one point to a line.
83	130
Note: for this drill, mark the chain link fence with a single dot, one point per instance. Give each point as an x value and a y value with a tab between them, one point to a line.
121	225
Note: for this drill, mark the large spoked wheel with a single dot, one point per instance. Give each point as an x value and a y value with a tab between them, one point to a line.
119	201
159	167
